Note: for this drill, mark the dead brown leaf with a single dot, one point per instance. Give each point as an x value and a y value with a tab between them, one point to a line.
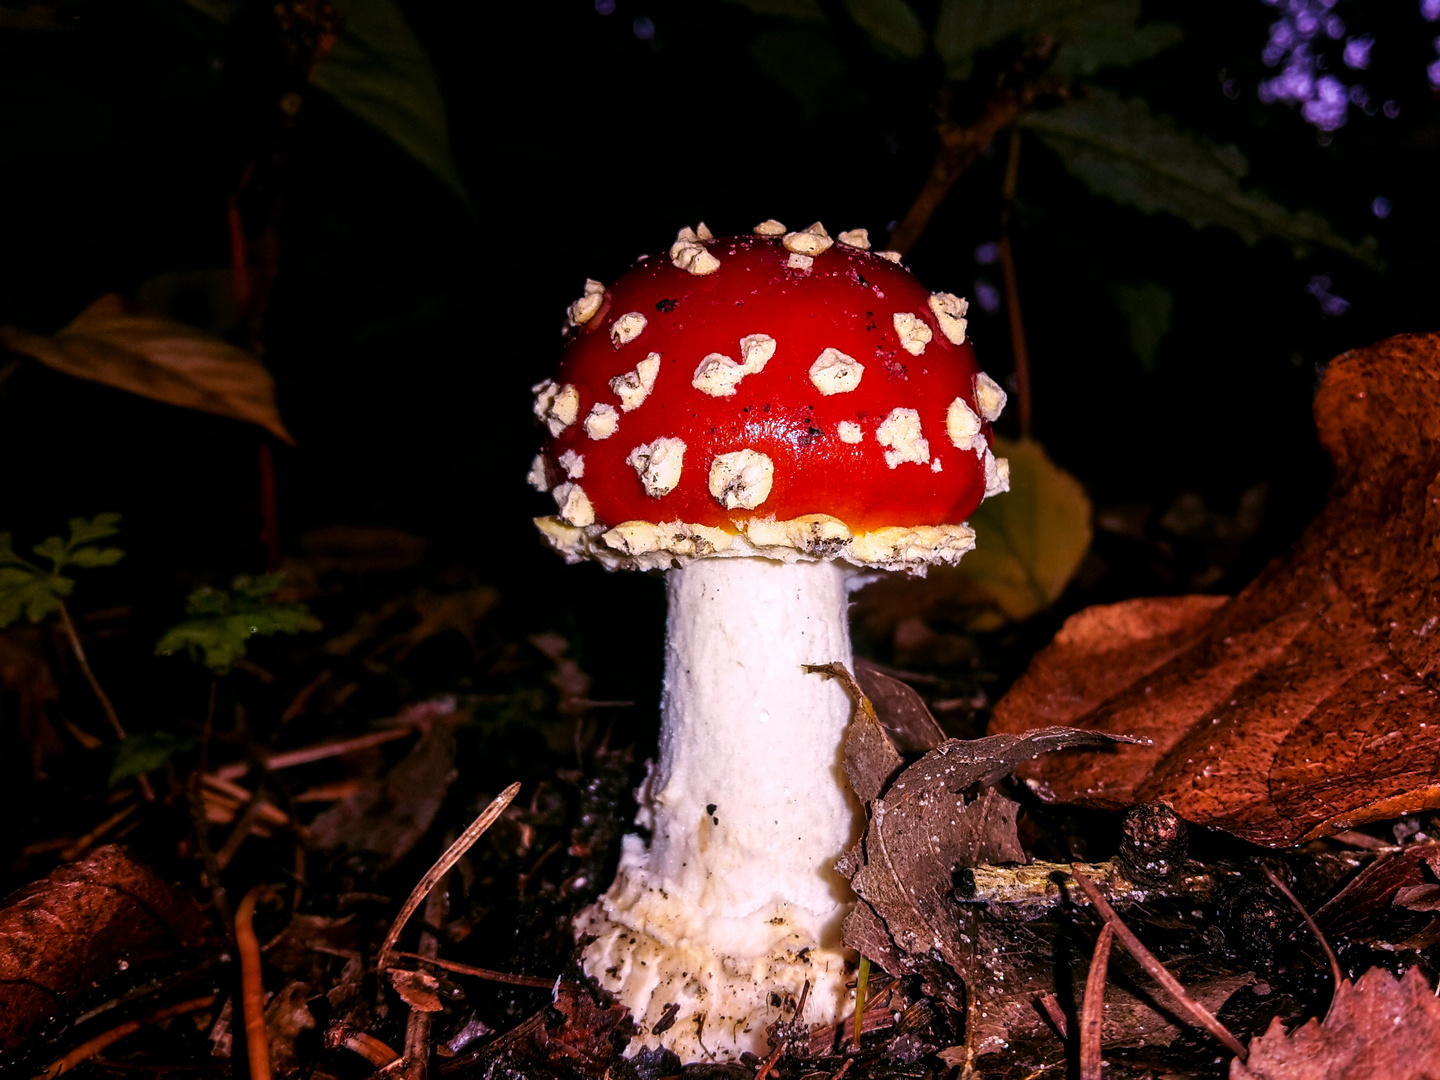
287	1015
65	933
1310	702
417	989
921	830
27	687
388	817
1378	1026
901	710
157	358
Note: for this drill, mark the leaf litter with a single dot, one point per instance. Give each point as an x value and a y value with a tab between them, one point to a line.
979	951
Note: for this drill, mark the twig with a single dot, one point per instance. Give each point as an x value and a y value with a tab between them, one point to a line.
1329	952
524	881
1156	970
844	1068
79	650
483	973
1012	288
769	1063
86	1050
417	1028
1051	1005
960	146
435	873
318	752
252	989
146	791
1092	1011
248	820
80	846
346	1037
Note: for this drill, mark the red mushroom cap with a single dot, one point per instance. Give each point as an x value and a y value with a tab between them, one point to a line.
767	378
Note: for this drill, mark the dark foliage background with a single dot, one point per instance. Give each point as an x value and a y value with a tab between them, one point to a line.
407	324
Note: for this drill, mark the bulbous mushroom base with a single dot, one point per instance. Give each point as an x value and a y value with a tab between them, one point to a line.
727	978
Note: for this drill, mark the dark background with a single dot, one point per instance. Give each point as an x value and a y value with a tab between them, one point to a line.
407	328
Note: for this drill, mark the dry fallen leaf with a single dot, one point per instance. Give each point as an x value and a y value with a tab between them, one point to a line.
921	830
417	989
65	933
389	817
158	358
287	1015
1308	703
1377	1027
1028	545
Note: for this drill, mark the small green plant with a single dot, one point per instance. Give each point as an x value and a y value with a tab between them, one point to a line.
221	622
146	751
28	590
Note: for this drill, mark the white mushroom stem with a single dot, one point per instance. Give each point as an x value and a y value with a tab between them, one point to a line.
735	900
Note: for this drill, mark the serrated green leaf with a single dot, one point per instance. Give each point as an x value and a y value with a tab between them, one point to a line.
1147	310
379	72
52	548
1109	40
91	556
891	24
222	622
804	61
1028	542
146	751
1126	152
25	592
97	528
1092	33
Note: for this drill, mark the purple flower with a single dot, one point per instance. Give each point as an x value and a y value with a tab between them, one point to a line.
1391	109
1335	27
1380	207
1357	52
987	296
1327	109
1430	10
644	28
1330	304
1359	96
604	7
1434	72
987	253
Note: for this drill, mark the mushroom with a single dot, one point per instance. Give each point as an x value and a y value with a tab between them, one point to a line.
761	417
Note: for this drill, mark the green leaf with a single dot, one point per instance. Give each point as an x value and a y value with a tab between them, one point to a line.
1109	35
97	528
1092	33
23	591
52	548
804	61
891	24
91	556
1030	541
7	550
1147	310
146	751
222	622
1123	150
379	72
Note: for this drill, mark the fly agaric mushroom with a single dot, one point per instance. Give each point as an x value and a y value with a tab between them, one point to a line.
760	416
